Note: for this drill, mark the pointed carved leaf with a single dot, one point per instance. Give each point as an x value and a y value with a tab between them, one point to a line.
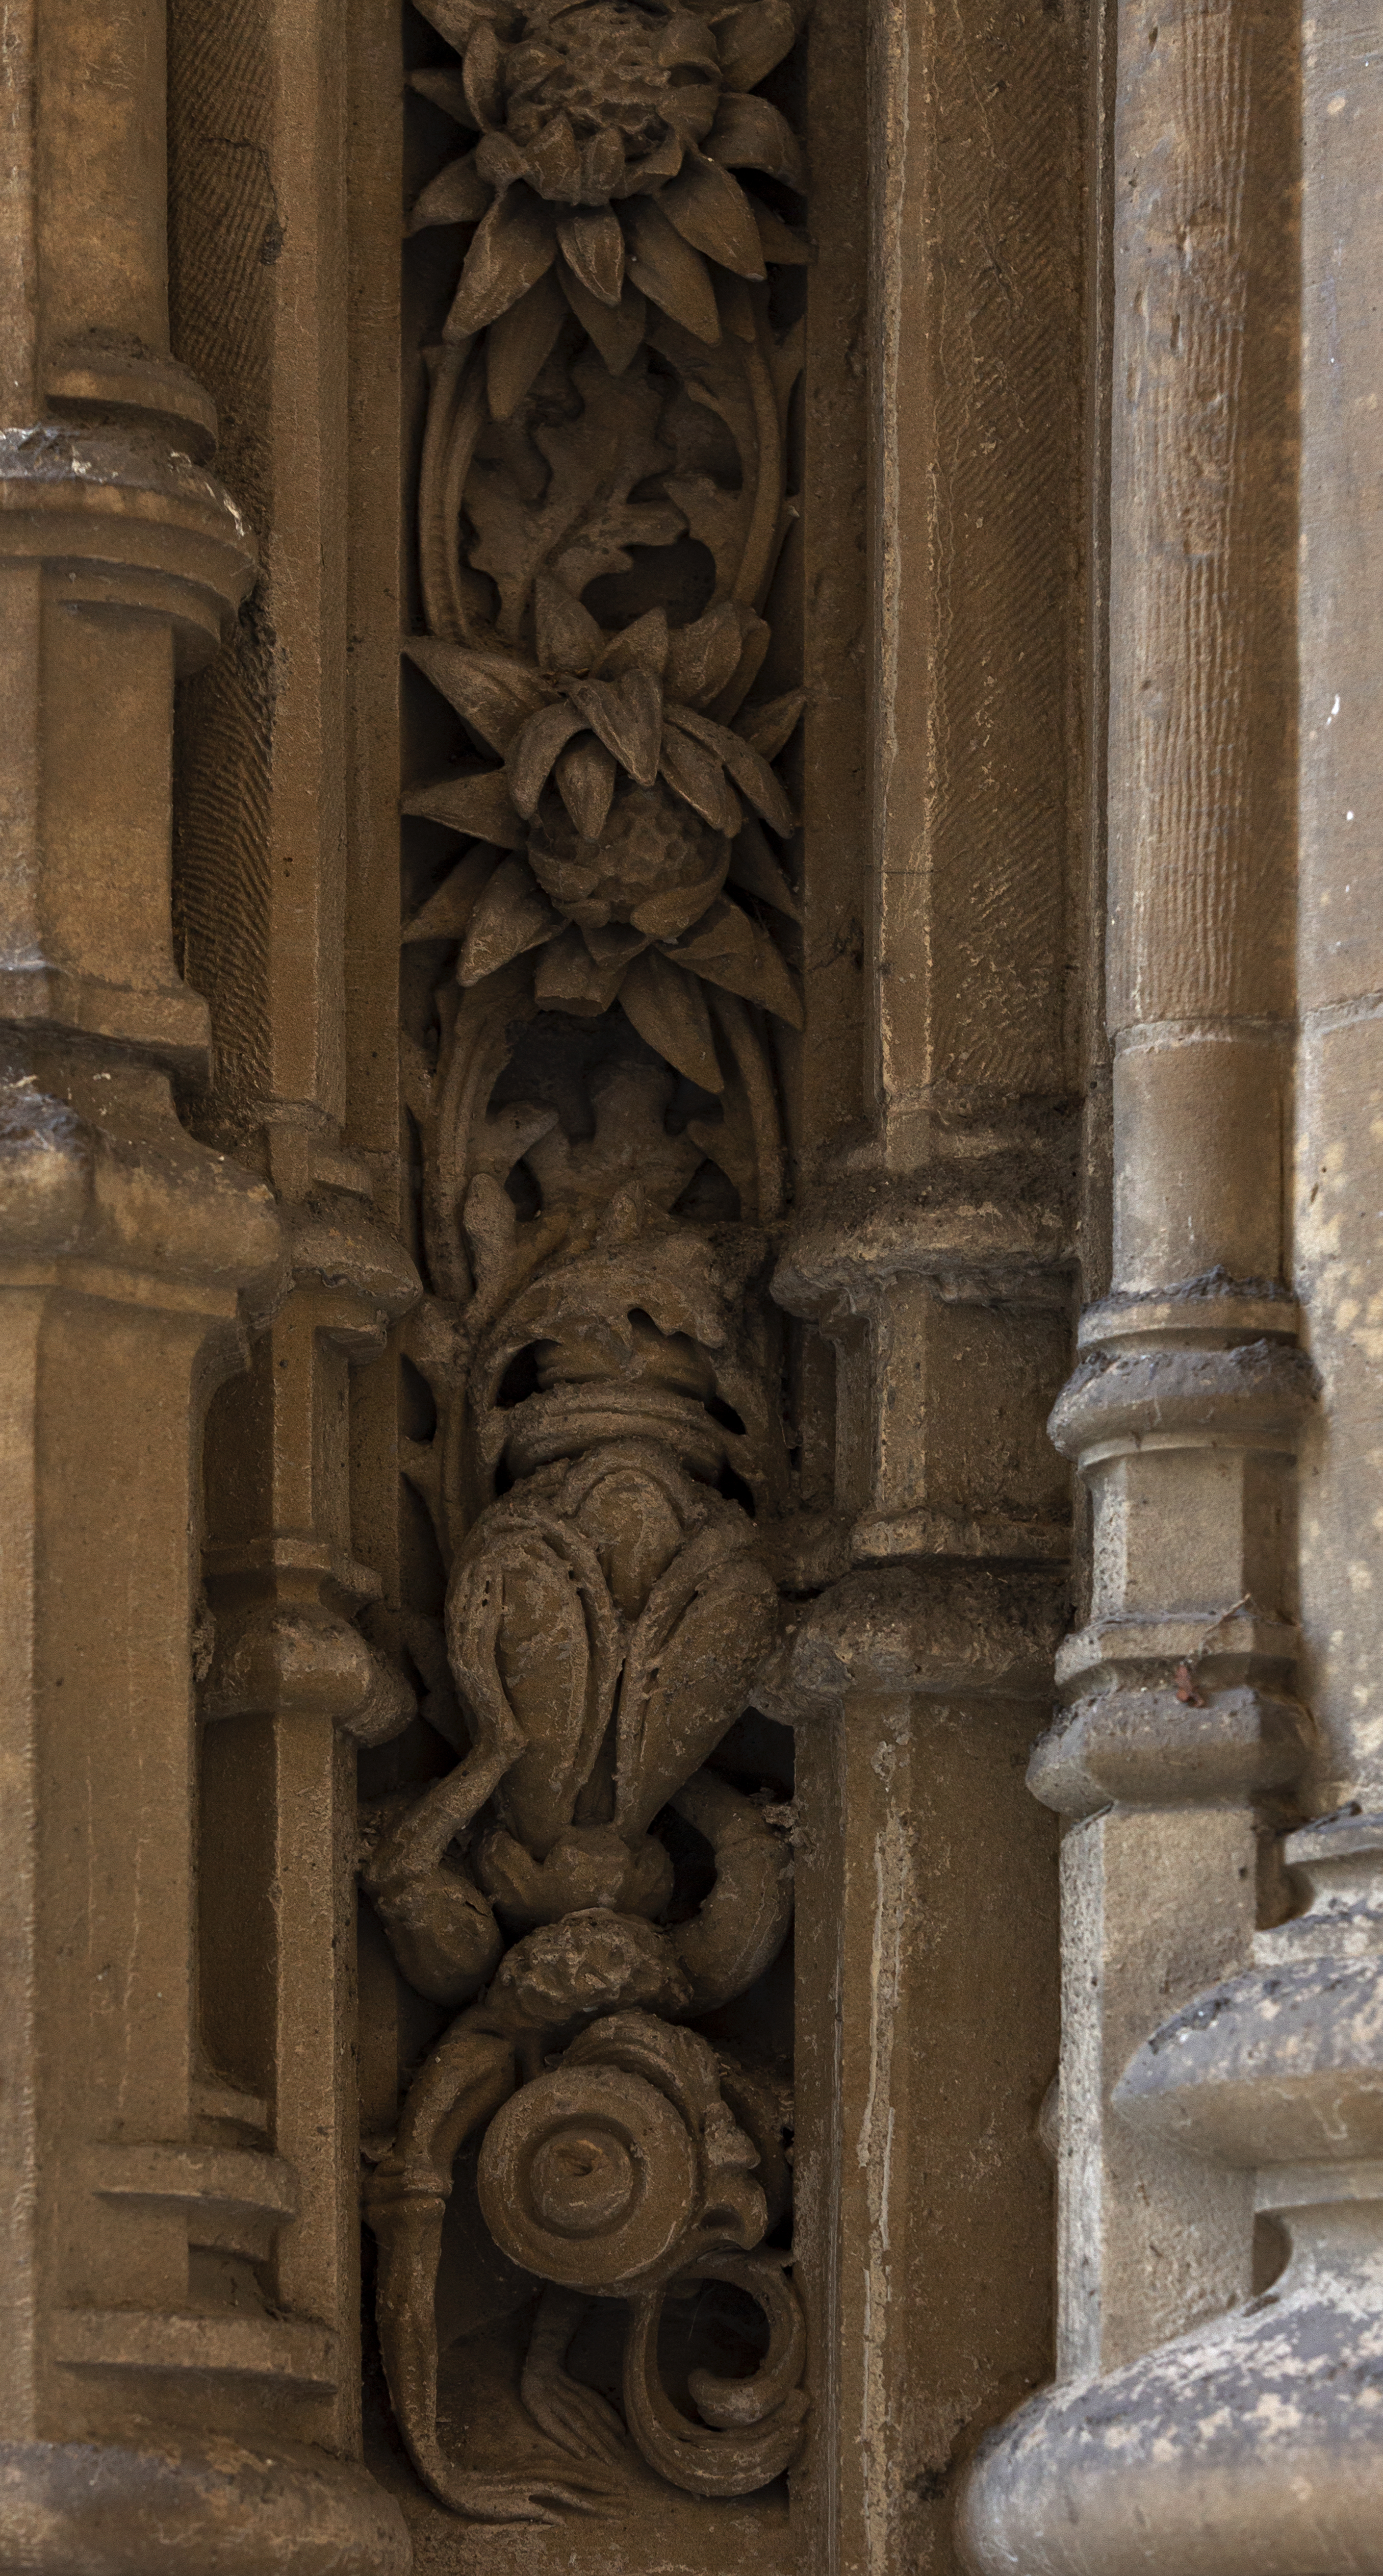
512	247
447	89
602	166
734	305
568	637
781	246
691	112
686	45
569	978
628	716
710	211
593	248
586	776
753	866
668	914
493	693
730	949
519	342
689	1668
585	521
458	195
447	912
640	647
751	40
478	804
750	772
767	728
535	750
669	1011
458	20
702	657
511	916
645	178
556	162
667	268
618	335
696	775
484	79
750	134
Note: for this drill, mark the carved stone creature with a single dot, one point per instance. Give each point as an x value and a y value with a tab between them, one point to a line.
605	1623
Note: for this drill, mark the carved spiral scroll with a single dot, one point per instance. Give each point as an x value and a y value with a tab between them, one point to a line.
753	2427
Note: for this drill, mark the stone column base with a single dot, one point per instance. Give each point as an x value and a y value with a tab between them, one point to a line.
200	2508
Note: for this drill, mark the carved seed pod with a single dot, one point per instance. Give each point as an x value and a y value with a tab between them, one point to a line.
589	2177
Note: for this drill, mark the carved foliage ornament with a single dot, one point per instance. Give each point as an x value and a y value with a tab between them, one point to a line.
589	1060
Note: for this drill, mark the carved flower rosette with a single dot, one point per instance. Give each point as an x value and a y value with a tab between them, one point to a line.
594	982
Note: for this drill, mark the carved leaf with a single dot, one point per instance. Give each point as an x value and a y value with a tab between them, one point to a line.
511	916
753	866
703	656
568	637
554	1657
781	246
694	774
494	693
478	804
749	770
519	343
750	133
669	1010
535	750
484	78
586	776
573	977
767	728
730	949
617	334
640	647
710	211
555	161
446	87
583	523
627	714
752	40
511	249
458	195
447	911
593	248
669	271
457	20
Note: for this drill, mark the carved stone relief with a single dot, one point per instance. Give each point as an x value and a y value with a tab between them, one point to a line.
592	2144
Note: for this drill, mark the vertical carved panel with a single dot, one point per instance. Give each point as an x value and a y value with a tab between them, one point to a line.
590	2156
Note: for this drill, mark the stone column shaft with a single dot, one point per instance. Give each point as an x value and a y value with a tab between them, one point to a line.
145	2369
1221	2049
933	1246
